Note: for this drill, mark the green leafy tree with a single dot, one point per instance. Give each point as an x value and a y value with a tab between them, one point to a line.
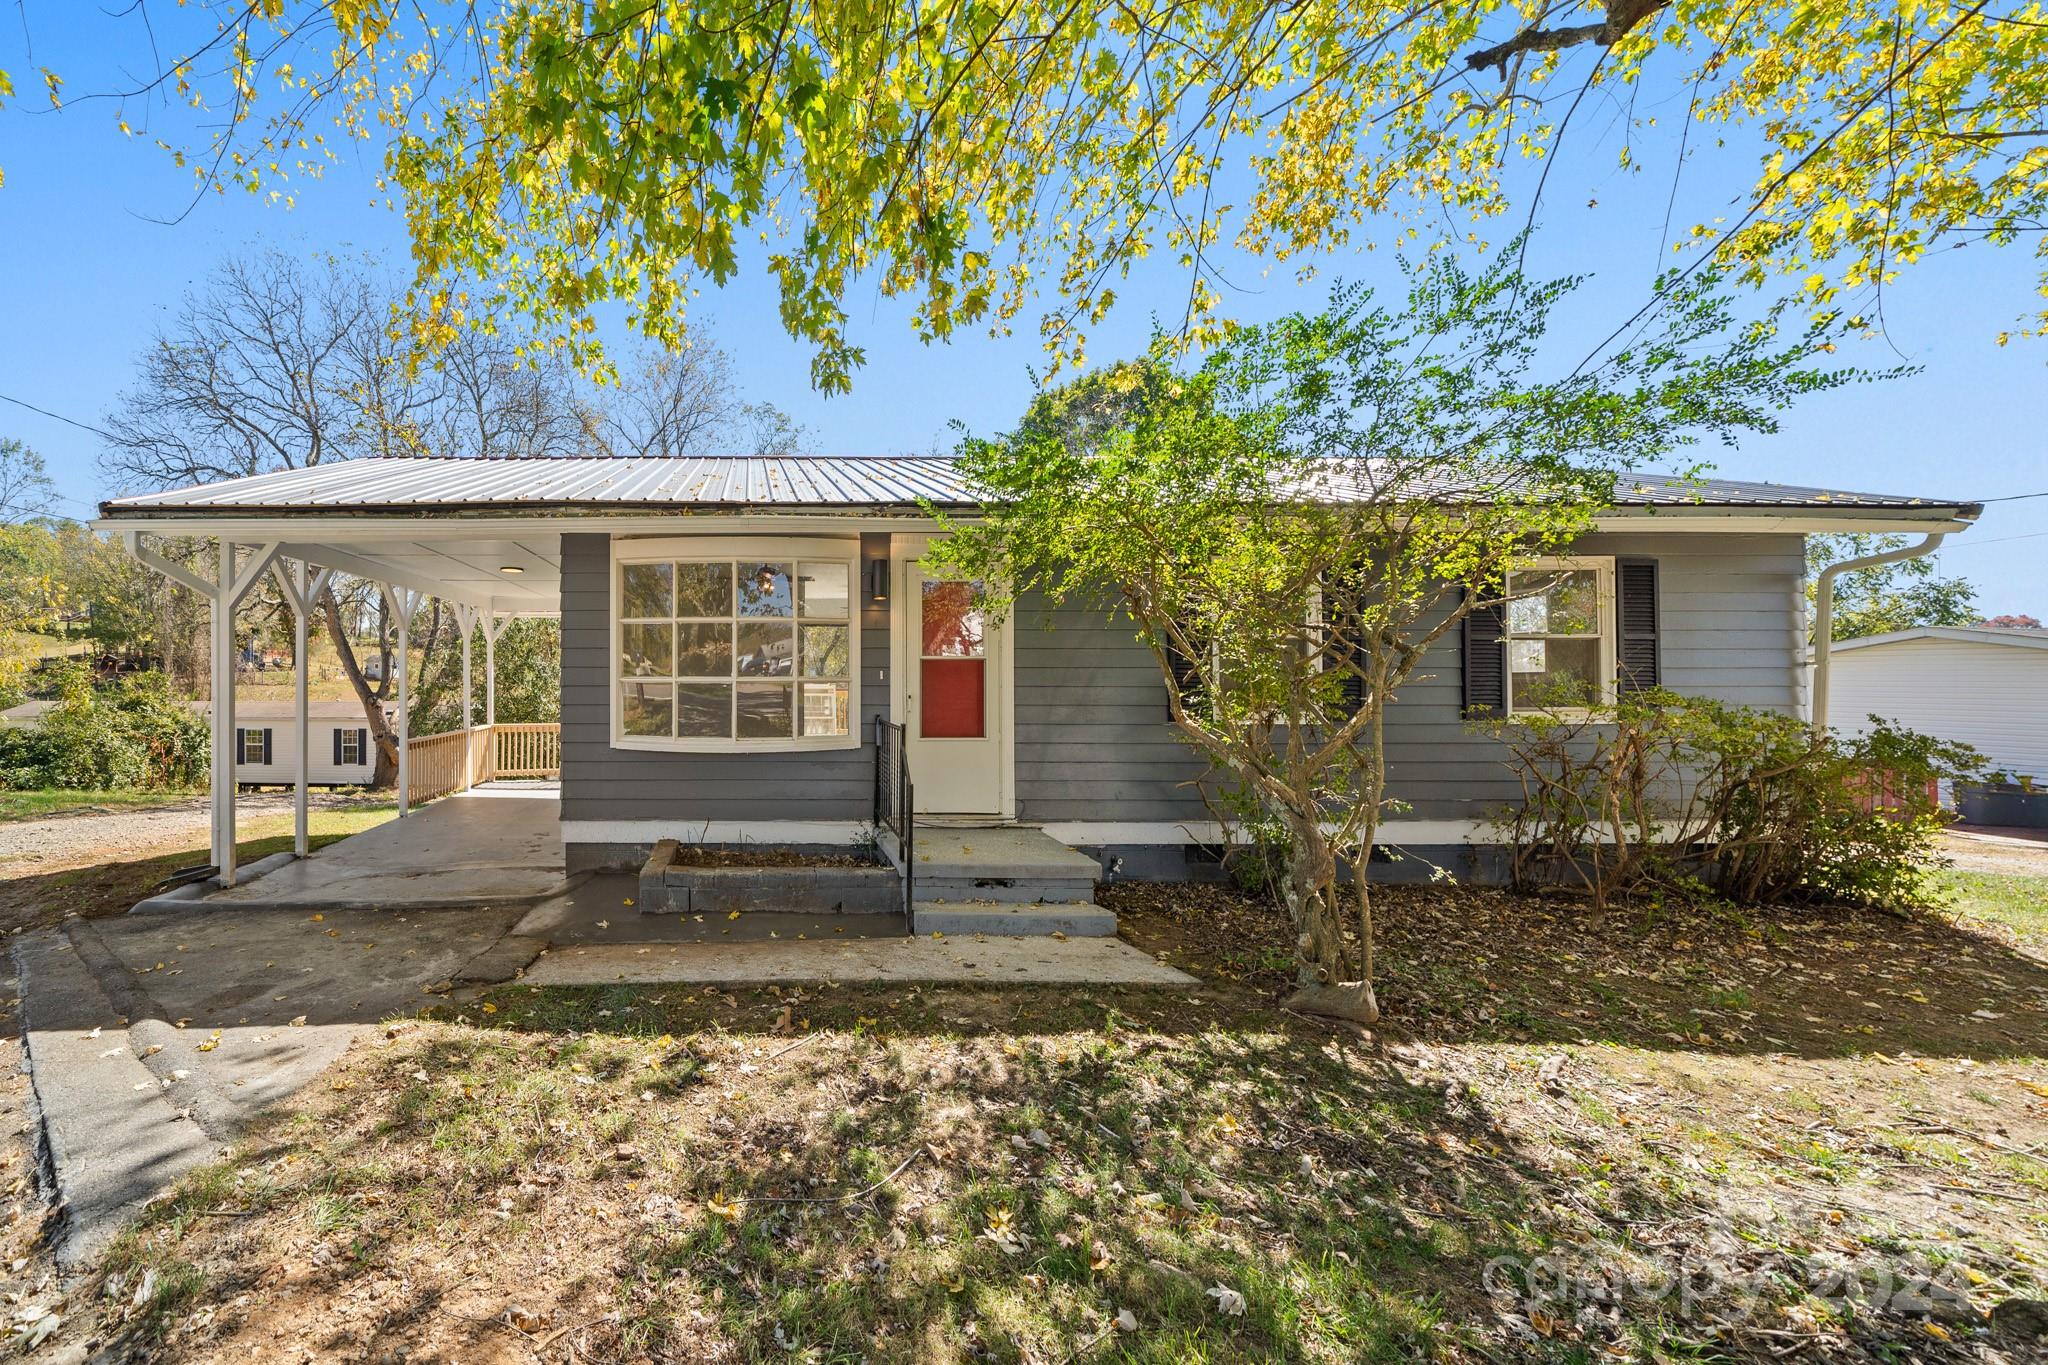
970	156
1888	597
1291	526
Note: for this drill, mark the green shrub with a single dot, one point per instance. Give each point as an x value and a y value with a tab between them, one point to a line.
1659	790
137	733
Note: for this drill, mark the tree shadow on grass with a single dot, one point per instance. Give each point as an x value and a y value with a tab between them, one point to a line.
941	1180
1472	965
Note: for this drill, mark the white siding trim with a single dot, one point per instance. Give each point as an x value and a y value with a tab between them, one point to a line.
1076	832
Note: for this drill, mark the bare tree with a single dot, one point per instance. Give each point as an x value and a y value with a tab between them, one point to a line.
278	363
688	403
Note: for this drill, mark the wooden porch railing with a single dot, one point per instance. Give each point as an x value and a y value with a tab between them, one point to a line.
439	764
527	750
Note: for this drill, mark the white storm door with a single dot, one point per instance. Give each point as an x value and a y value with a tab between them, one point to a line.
954	664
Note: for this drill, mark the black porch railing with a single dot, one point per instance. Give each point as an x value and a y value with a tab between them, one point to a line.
895	805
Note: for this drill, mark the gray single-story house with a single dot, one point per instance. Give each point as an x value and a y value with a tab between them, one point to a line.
734	629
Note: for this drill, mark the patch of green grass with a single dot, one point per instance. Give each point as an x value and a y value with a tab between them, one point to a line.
2019	903
38	805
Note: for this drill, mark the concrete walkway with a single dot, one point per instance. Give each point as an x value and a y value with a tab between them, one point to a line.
153	1040
992	961
495	846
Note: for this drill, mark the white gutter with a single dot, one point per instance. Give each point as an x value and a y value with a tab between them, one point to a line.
1824	614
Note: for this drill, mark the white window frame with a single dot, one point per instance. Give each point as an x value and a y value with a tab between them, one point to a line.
353	745
243	734
1603	566
816	549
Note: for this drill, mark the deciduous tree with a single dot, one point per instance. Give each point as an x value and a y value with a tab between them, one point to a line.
1294	524
973	155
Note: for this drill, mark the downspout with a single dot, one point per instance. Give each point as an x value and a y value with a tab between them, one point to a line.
1824	614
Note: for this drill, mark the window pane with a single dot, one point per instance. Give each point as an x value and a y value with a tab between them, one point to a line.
826	709
647	708
821	590
765	711
646	590
952	623
1569	604
950	703
704	651
1554	672
703	589
645	650
704	710
764	590
825	652
767	651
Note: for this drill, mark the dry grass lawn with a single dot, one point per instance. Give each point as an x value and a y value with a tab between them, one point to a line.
1673	1133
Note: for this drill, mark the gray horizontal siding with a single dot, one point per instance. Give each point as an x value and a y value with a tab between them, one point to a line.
1093	742
603	783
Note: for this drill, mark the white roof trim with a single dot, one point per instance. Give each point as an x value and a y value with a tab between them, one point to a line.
1973	635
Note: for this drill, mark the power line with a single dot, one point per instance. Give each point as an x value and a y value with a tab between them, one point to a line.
57	416
1995	540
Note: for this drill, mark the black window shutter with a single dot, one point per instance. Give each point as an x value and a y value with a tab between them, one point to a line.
1635	613
1187	676
1485	648
337	745
362	746
266	747
1345	626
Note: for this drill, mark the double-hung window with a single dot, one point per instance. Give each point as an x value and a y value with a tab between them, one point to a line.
1560	634
735	644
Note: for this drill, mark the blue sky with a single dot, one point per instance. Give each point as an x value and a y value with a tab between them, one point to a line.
91	270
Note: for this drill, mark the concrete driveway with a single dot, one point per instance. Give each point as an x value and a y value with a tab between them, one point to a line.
152	1040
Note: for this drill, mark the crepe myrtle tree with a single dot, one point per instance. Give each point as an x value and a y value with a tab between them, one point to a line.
1293	523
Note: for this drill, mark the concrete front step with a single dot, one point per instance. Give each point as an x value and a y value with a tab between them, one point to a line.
668	889
1014	854
1025	891
1075	919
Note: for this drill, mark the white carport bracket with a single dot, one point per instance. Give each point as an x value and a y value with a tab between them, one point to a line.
303	574
224	592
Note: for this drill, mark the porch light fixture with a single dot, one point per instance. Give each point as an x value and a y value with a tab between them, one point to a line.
510	568
878	580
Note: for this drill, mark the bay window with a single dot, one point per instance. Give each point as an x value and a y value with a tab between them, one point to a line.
735	644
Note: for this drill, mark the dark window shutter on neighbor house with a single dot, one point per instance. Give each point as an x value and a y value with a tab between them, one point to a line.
266	746
1485	649
337	747
362	746
1635	613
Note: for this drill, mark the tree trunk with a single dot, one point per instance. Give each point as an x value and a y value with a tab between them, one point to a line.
1352	1001
381	734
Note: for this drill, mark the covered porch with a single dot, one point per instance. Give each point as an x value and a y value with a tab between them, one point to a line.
488	581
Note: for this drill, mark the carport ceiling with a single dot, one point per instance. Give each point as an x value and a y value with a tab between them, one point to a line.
500	573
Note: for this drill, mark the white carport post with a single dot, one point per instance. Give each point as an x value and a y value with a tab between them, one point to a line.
223	594
465	619
404	602
301	594
223	777
494	626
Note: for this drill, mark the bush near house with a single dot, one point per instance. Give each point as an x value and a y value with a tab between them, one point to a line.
135	733
1658	791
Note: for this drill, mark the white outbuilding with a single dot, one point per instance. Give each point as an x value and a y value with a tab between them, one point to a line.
1985	686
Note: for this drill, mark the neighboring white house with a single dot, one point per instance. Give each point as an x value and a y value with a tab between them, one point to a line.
341	755
339	744
1981	685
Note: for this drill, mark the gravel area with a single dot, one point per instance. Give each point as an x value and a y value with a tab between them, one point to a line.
79	838
2014	852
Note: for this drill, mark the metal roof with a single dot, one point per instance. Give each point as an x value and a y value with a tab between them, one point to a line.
2024	637
639	481
825	482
